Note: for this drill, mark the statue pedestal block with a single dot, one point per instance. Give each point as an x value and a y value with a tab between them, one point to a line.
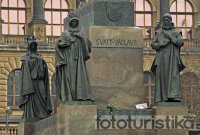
116	66
46	126
25	128
76	119
174	113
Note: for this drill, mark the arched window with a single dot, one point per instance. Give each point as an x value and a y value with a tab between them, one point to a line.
191	97
182	16
149	83
53	90
143	16
55	12
13	88
13	15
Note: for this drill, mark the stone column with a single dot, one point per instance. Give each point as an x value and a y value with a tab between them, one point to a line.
38	23
164	7
1	21
77	3
38	11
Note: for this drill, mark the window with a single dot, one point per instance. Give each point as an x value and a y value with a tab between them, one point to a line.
53	90
143	16
182	16
55	12
149	84
190	91
13	88
13	14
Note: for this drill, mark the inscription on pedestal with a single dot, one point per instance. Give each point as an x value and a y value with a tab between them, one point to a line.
116	37
116	42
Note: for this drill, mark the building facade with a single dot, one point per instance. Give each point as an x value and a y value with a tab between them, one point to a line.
44	19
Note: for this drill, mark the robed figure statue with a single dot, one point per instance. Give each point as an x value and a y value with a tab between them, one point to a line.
35	94
167	64
72	51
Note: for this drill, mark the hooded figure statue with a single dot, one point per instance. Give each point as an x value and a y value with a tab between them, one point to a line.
72	50
167	64
35	94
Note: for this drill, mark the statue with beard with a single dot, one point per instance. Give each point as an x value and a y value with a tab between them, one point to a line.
72	51
167	63
35	98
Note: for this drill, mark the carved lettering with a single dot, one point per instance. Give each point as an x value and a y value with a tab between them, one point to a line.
115	42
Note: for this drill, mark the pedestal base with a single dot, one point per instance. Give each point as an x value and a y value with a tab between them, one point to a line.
169	104
25	128
76	119
170	116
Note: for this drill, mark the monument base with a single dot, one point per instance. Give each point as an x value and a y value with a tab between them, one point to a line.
25	128
174	113
116	66
76	119
46	126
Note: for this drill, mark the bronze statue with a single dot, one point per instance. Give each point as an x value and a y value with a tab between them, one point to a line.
167	64
72	50
35	94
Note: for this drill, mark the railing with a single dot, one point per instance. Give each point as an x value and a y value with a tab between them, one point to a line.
22	39
52	40
188	43
191	44
147	42
14	39
12	130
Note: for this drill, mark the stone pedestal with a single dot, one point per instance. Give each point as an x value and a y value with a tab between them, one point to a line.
46	126
116	66
25	128
76	119
39	31
120	125
174	113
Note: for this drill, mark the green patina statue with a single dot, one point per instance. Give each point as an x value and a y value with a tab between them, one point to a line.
35	94
72	50
167	64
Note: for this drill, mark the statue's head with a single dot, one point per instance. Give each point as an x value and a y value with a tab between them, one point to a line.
32	45
74	22
167	23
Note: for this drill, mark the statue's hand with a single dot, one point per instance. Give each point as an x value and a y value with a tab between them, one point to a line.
64	44
168	36
32	63
162	45
73	34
